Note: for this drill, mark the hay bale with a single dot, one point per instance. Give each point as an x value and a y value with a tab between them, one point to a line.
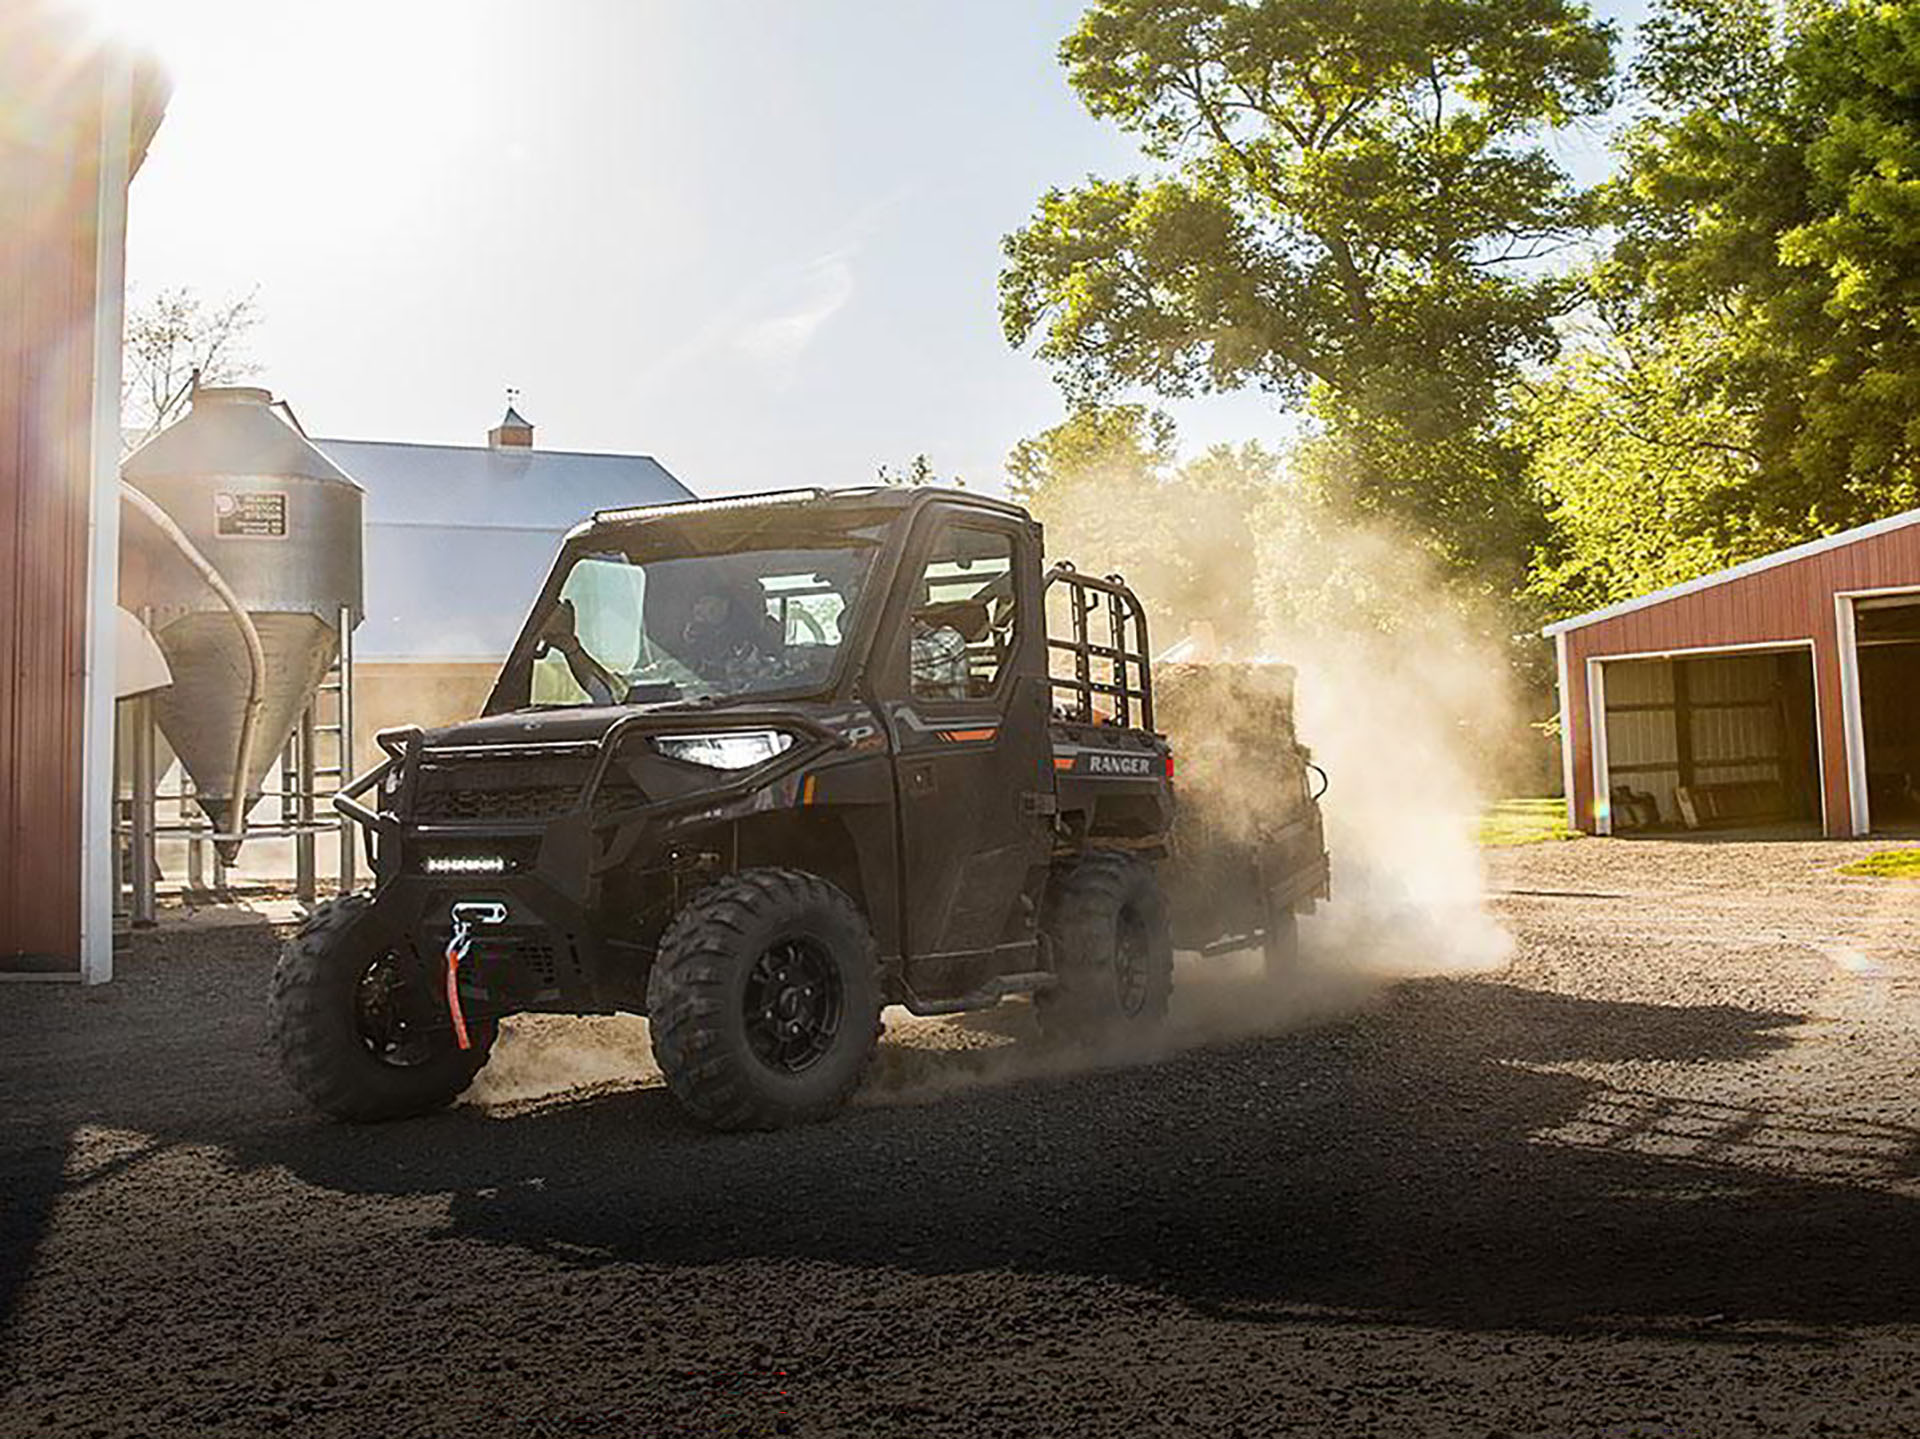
1240	776
1238	766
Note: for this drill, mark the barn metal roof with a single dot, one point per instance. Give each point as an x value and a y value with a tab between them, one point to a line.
459	537
1736	572
503	488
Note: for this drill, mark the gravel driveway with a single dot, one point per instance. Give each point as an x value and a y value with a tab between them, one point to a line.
1656	1177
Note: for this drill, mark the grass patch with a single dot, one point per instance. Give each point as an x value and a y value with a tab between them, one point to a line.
1525	821
1887	864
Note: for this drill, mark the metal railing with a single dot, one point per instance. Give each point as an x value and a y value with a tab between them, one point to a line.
1118	670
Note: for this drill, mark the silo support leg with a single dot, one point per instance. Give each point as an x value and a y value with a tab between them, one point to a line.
140	828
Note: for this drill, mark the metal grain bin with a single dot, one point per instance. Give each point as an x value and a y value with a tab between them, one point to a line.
282	524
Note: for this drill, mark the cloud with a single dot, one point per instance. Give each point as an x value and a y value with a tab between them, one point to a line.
786	323
775	318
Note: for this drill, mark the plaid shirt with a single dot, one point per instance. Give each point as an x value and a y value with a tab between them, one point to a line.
939	659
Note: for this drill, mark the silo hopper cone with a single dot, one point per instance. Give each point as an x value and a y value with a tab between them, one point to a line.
201	712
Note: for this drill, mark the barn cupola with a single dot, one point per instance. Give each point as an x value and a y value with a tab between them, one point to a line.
513	432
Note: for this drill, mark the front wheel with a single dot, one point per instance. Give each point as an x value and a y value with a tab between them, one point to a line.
1106	923
764	1000
357	1036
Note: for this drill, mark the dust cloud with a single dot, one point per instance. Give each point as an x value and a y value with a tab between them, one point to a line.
1403	698
539	1056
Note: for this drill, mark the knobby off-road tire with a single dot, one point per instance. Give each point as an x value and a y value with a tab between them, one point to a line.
1281	946
352	1036
764	1000
1106	921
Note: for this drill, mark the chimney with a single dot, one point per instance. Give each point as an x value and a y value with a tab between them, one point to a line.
512	433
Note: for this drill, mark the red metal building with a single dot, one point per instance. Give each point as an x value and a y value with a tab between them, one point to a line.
76	113
1787	688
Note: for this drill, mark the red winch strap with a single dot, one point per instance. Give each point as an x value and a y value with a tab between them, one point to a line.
454	951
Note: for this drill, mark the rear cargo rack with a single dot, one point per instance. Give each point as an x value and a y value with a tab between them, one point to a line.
1117	670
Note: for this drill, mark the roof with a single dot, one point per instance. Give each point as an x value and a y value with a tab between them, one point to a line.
855	498
232	430
1739	572
513	420
479	485
459	537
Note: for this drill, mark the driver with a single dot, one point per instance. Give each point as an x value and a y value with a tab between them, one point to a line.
730	638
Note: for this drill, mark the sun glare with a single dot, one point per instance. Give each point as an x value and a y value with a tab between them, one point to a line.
141	23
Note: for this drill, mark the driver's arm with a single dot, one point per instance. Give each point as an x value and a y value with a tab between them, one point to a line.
599	683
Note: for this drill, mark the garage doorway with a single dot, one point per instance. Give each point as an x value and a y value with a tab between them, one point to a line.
1710	741
1886	633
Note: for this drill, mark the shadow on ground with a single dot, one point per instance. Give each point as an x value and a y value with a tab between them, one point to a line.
1387	1167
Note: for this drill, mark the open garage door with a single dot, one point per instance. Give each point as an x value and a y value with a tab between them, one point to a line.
1711	741
1887	634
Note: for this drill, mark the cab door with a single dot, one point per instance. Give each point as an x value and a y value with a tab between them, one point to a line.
964	687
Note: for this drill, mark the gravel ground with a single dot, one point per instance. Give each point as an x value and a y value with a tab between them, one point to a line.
1656	1177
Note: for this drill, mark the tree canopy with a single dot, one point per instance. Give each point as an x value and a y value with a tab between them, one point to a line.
1355	207
1107	483
1351	203
1758	378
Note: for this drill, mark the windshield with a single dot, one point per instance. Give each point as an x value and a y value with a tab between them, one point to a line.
647	621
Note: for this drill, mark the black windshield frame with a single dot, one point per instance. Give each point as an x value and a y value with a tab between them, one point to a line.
720	534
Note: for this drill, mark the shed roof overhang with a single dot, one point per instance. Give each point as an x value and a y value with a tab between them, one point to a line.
1738	572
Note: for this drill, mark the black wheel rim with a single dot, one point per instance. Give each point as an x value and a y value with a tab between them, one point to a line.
794	1003
1130	966
381	1004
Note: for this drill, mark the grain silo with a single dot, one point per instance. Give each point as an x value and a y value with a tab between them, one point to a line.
237	487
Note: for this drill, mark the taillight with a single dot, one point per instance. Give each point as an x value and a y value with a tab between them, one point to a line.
1169	764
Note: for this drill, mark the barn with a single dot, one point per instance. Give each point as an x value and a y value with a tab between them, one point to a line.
458	541
76	115
1782	691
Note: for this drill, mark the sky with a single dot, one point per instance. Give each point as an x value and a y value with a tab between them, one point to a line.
756	239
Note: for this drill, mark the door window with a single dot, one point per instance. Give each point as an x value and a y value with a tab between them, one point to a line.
965	619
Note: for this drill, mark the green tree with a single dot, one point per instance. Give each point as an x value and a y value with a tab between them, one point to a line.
1351	204
1645	479
915	473
1771	198
1107	484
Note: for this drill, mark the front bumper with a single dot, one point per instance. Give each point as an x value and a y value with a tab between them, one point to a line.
546	954
556	950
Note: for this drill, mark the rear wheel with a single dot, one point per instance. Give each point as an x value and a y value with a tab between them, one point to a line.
1107	926
764	1001
1281	943
357	1035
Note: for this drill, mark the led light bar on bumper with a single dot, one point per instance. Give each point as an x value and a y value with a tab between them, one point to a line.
465	864
729	749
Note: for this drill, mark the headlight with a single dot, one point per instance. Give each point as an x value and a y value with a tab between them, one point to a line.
733	749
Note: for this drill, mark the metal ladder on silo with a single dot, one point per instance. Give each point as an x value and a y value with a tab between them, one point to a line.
305	782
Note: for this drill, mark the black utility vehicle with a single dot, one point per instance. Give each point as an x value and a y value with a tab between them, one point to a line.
757	768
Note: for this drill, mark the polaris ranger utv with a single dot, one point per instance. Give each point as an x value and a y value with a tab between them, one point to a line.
756	768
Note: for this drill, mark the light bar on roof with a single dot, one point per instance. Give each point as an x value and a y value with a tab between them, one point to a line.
695	507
